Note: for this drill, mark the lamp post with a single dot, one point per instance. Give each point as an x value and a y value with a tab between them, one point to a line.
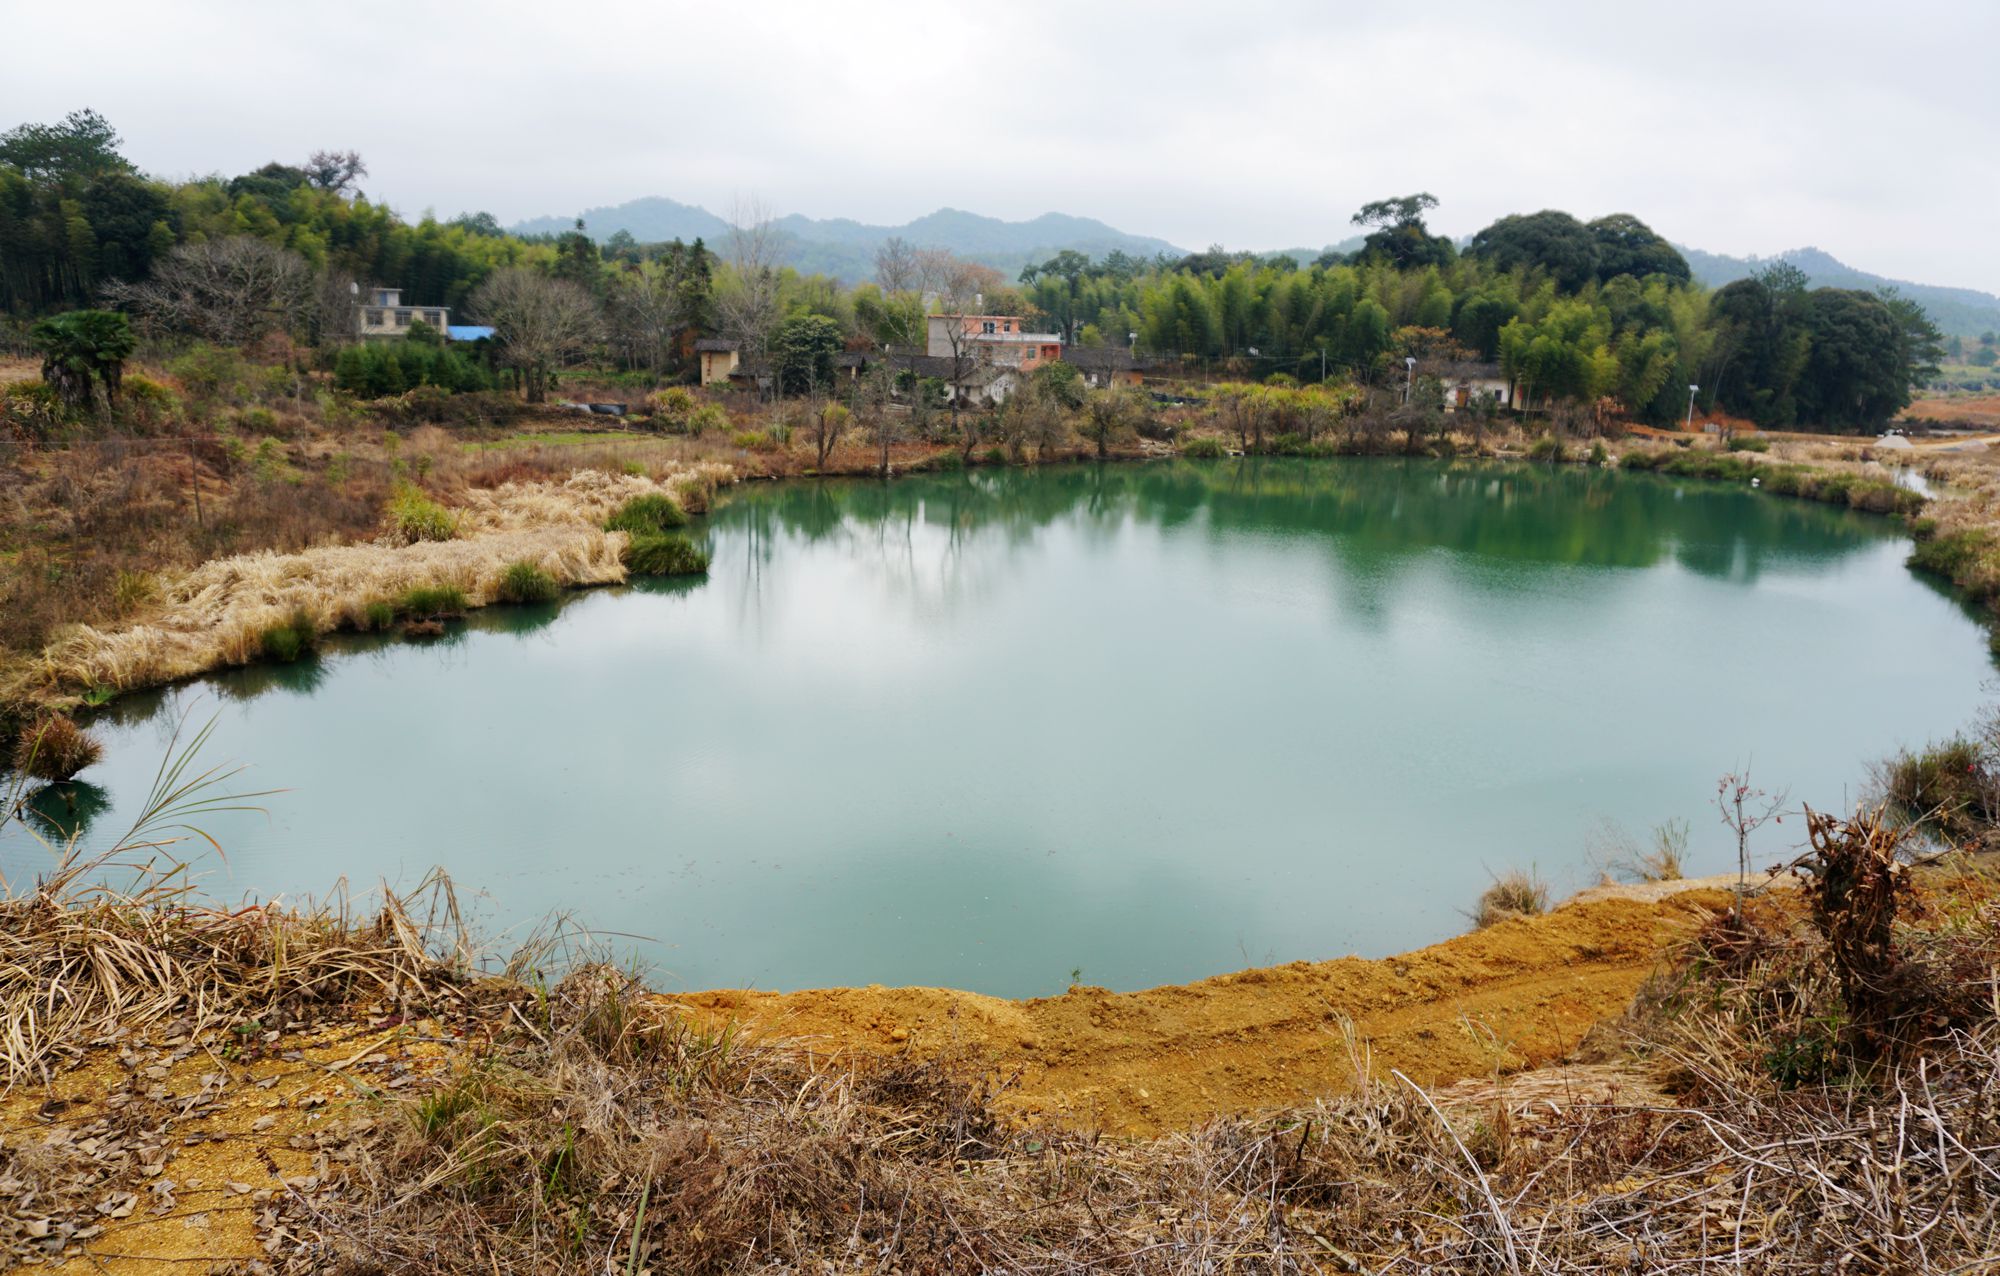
1690	419
1410	382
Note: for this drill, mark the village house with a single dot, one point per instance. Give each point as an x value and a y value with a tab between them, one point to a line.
1104	366
996	339
382	314
719	359
1470	384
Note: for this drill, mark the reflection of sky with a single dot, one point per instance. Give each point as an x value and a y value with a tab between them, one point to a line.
1153	723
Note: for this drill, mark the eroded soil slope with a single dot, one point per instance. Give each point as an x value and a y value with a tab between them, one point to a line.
1514	996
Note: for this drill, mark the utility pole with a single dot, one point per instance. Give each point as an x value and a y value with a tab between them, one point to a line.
1410	383
1690	417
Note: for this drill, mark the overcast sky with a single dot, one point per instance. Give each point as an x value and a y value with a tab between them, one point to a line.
1740	127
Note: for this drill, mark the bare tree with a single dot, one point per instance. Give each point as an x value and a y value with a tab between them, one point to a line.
883	423
1744	810
335	171
1110	415
748	307
896	266
230	291
957	287
826	421
646	312
539	322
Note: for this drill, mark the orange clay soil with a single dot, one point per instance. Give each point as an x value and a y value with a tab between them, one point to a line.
1514	996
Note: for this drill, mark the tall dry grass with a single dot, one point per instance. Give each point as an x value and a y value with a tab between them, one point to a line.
216	614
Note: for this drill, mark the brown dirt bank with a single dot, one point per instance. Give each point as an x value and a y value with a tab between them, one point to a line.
1514	996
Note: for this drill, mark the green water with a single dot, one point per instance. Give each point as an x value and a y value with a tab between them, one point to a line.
1145	723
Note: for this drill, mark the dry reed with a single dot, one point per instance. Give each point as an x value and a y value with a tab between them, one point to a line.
215	615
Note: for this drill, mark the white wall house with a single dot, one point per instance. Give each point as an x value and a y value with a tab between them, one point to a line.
381	313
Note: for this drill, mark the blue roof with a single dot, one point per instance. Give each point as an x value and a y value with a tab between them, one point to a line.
467	331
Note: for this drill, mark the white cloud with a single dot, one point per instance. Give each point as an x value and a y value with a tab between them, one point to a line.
1736	127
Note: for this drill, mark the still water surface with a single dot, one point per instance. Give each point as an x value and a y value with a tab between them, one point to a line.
1145	723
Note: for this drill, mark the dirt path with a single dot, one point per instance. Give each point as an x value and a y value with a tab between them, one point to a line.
1514	996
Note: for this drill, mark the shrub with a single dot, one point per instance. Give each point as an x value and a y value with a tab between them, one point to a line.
55	749
146	404
709	416
1747	444
649	514
432	602
1514	894
526	582
1945	791
754	441
378	615
994	456
1953	555
382	369
1641	461
1598	456
1207	447
661	554
294	638
1546	448
419	518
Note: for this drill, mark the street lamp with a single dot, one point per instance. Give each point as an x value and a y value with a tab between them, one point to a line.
1690	420
1411	382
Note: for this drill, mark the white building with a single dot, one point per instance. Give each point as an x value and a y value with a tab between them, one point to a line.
382	314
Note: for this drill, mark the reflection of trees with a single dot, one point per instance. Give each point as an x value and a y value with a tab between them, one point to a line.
1377	514
65	811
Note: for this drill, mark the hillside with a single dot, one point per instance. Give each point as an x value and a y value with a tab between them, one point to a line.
845	248
1959	312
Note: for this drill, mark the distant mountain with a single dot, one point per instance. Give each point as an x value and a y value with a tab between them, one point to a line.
1958	312
845	249
651	220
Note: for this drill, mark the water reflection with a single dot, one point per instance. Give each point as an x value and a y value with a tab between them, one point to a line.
1156	721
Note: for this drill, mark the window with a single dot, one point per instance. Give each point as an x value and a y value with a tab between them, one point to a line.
987	326
374	318
402	318
437	319
1008	326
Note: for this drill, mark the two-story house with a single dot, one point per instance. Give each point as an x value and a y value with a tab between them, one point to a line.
997	339
381	313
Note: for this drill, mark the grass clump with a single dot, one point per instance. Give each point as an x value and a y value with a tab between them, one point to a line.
526	582
1944	792
664	554
1206	447
1747	443
378	615
1546	448
654	512
417	517
1956	556
54	749
295	637
432	602
1667	857
1518	893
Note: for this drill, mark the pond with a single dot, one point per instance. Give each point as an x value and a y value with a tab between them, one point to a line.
1132	725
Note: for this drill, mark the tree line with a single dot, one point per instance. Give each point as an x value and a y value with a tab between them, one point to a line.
1598	313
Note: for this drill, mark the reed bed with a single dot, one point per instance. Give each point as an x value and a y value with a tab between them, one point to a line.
216	615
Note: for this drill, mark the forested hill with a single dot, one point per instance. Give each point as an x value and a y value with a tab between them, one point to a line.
845	249
1958	312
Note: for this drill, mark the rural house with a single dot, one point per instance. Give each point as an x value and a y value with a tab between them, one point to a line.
996	339
382	314
719	358
1104	366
